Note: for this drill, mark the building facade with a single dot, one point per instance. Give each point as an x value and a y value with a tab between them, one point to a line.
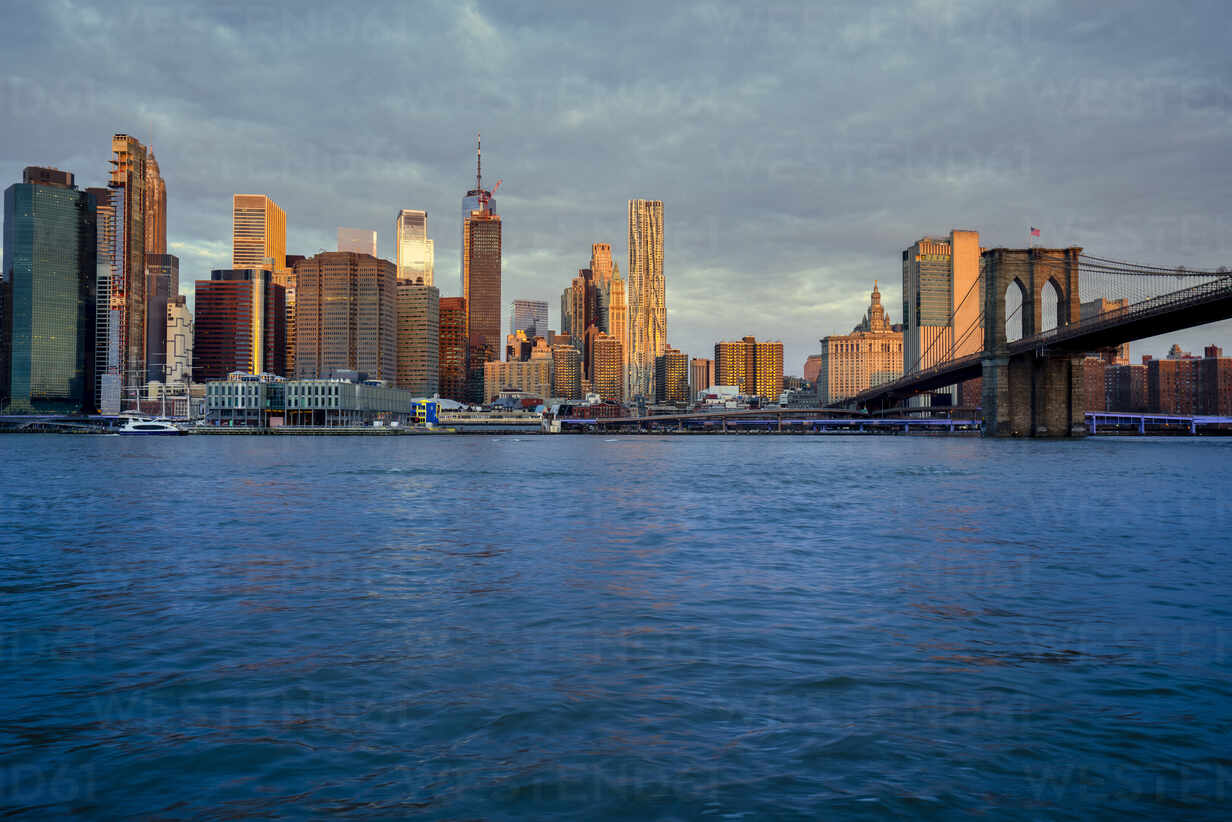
872	354
647	296
756	367
532	376
346	316
179	341
128	177
357	241
566	372
258	233
240	324
162	284
452	348
155	206
481	288
672	377
530	316
607	376
701	375
412	248
942	300
47	298
419	313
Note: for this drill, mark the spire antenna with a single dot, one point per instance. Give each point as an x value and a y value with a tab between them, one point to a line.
478	161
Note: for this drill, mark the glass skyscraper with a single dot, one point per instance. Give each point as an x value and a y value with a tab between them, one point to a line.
530	316
412	248
47	326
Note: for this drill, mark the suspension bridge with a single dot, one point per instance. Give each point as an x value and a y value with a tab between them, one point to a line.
1031	379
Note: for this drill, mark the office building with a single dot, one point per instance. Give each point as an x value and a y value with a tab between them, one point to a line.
579	315
531	376
607	368
530	316
47	295
179	341
672	377
942	302
646	294
412	248
419	312
162	284
755	367
155	206
452	348
701	376
566	372
871	355
481	288
346	316
240	324
258	233
128	178
357	241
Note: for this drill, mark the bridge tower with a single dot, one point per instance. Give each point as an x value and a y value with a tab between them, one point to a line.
1032	392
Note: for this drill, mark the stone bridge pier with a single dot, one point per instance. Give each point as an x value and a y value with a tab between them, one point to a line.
1032	393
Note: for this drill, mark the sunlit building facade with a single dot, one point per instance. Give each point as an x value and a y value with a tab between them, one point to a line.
530	316
872	354
646	294
566	372
481	288
419	312
756	367
155	206
701	375
607	368
239	324
258	233
357	241
453	340
412	248
672	377
128	178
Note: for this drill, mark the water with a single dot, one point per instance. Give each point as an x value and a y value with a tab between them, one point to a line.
634	627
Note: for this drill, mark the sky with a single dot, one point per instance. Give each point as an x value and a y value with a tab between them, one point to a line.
798	148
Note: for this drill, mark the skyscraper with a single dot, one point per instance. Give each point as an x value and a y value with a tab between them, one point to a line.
566	372
259	233
579	315
155	206
179	340
942	300
240	324
48	280
107	311
419	312
357	240
162	284
647	298
701	375
452	348
481	287
128	177
530	316
412	246
872	354
475	198
346	316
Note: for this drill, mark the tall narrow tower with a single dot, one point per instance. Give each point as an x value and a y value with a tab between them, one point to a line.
647	298
473	199
128	178
481	282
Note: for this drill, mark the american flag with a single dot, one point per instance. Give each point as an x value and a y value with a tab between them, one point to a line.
1034	231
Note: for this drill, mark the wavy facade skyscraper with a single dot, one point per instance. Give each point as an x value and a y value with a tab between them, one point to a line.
647	297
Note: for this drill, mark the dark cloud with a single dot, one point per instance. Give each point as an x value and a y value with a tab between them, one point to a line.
797	148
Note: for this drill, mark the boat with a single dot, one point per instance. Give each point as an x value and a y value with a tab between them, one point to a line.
149	426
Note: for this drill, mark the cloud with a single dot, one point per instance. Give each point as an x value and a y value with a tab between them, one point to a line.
798	148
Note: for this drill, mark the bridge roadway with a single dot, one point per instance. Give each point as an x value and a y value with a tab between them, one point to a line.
788	419
1198	305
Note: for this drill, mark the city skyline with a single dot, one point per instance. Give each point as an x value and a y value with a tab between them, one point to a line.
809	198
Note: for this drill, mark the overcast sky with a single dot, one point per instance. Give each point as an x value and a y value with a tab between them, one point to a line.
797	149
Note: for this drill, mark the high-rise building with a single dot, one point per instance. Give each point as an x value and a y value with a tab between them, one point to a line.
1115	354
419	312
128	177
602	264
286	278
240	324
579	311
607	366
346	316
530	316
812	367
357	241
532	375
701	375
647	297
756	367
412	248
162	284
872	354
179	340
481	287
155	206
942	301
566	372
107	312
452	348
258	233
617	308
47	289
672	377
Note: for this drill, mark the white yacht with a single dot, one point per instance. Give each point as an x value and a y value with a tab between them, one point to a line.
149	425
